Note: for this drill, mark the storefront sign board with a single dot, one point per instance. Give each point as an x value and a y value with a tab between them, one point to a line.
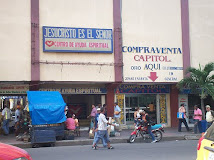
65	39
77	90
134	88
152	64
13	89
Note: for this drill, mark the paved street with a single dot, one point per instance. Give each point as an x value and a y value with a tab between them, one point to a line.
168	150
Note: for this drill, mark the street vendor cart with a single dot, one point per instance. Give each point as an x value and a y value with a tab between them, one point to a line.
47	117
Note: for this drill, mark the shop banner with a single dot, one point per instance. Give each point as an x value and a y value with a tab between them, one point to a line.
13	89
120	100
77	90
64	39
163	109
134	88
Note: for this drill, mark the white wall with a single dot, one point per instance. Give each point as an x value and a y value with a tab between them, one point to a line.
76	14
201	15
15	40
152	23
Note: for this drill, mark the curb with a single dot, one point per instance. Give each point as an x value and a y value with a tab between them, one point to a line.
113	141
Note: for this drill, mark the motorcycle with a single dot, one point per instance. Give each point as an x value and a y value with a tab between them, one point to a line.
141	130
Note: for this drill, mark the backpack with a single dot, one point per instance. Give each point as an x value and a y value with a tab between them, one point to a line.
212	112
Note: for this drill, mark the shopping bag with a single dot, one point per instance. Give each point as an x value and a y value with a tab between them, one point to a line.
91	134
180	115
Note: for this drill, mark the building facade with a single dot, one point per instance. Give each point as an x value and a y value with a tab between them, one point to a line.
101	51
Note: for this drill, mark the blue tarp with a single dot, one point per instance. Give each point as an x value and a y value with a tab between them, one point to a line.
46	107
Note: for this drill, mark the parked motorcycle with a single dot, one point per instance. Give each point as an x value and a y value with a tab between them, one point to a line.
142	131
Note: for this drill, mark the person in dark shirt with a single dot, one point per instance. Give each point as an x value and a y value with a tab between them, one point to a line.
147	121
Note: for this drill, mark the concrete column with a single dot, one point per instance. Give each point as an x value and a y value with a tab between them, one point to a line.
110	97
118	59
35	67
174	105
185	34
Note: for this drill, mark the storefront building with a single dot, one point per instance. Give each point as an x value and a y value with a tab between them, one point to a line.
102	51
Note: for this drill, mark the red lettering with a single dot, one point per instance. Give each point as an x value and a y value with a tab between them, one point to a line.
135	58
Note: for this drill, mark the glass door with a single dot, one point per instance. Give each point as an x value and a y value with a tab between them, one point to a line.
143	101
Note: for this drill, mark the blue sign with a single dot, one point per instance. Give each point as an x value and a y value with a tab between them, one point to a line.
64	39
132	88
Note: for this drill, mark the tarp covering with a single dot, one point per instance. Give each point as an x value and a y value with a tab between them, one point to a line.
46	107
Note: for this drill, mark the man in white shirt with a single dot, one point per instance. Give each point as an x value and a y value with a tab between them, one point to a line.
102	132
209	116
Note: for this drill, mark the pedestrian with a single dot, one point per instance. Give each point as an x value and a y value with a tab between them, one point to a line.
197	119
92	115
182	120
102	132
209	116
148	123
6	116
95	129
18	119
117	112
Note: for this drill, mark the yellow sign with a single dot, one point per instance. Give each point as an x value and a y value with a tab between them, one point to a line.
120	100
163	111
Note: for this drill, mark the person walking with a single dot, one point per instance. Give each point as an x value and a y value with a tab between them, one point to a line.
117	112
209	116
102	132
6	115
96	127
197	119
182	120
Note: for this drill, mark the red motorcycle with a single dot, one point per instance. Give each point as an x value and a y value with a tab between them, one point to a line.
142	131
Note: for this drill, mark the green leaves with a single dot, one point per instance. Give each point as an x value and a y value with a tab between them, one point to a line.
199	80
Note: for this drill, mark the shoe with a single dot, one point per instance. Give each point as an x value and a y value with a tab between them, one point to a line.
189	130
94	147
154	141
110	147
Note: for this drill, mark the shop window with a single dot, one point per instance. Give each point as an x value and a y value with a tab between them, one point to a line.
134	102
127	101
143	101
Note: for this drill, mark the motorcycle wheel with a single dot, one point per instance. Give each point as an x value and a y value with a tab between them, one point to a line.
158	135
132	138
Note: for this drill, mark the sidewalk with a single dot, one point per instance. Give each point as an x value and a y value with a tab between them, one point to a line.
169	135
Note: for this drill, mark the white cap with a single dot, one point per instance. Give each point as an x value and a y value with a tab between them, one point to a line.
207	106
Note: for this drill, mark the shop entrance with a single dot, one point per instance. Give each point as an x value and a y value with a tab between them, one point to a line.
80	105
144	102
